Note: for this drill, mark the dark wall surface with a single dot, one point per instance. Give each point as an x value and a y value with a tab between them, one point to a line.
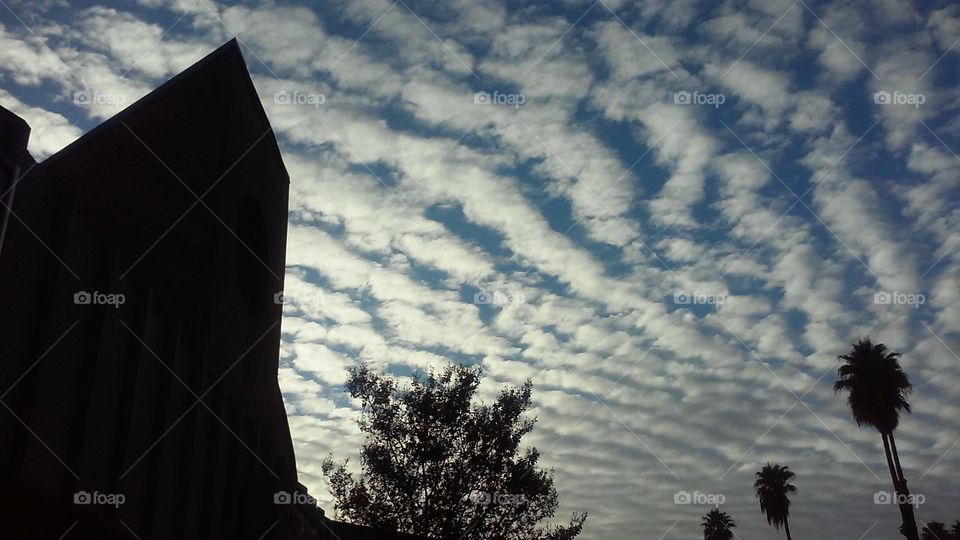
139	274
138	350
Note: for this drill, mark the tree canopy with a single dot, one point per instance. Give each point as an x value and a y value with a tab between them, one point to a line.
877	384
435	463
773	488
717	525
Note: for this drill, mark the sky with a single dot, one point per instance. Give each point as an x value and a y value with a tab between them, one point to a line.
672	216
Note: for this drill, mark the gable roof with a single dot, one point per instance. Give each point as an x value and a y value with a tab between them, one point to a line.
226	60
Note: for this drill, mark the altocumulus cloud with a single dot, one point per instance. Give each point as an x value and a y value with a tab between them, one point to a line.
672	217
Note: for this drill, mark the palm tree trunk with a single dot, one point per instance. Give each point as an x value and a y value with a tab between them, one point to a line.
909	526
886	453
906	508
896	457
786	528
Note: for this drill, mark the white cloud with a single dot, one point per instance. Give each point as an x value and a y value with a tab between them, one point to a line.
50	131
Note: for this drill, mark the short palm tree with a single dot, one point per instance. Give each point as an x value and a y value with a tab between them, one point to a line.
878	390
773	489
717	525
936	531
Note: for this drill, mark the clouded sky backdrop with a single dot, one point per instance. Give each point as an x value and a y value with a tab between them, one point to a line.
671	215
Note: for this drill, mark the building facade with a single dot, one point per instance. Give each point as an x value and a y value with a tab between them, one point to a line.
139	269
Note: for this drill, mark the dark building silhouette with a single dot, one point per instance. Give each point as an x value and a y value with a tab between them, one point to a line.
140	334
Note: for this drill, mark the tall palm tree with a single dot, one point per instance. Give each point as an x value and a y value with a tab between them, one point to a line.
717	525
773	488
878	390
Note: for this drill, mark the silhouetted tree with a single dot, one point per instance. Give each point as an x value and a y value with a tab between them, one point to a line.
956	529
773	489
717	525
878	390
438	465
936	531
